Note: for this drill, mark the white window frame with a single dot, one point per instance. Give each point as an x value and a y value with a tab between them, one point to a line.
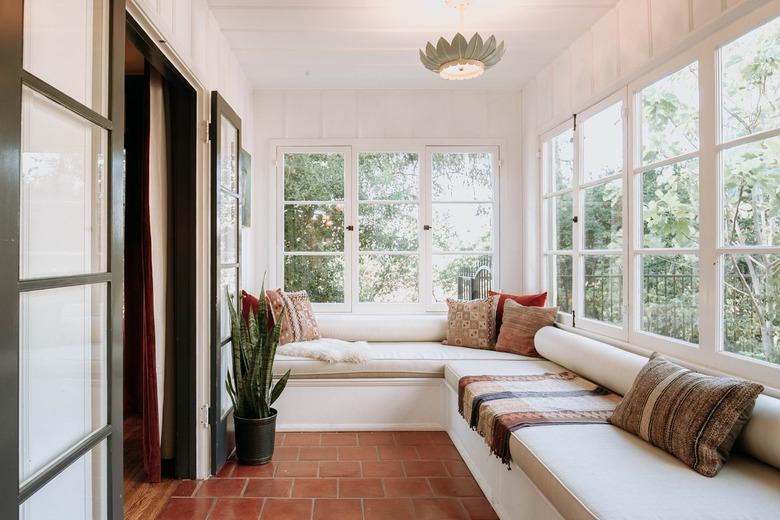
352	148
709	353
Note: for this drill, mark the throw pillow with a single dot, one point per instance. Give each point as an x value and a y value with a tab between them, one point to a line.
471	323
249	303
692	416
520	325
298	321
529	300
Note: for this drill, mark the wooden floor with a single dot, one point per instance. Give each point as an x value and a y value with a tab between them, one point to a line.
143	500
341	476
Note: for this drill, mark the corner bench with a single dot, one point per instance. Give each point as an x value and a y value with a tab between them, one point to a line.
558	471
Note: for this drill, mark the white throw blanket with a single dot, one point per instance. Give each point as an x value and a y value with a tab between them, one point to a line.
328	350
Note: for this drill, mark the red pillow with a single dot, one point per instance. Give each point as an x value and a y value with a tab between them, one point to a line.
248	303
251	303
529	300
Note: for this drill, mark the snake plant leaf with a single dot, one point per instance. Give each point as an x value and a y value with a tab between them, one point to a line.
279	387
459	45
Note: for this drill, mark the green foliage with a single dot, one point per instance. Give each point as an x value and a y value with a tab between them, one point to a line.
250	383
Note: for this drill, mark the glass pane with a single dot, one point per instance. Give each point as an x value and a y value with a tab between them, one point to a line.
313	176
66	45
228	283
670	206
602	151
62	371
604	288
63	214
560	150
321	276
465	277
79	492
670	116
563	213
309	227
670	296
389	176
389	279
388	227
604	216
751	193
228	154
228	228
462	176
750	83
226	355
563	279
463	227
751	321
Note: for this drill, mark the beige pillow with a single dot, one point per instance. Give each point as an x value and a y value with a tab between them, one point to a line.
693	416
519	326
472	323
294	309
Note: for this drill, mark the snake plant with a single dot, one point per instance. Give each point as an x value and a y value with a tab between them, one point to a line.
250	383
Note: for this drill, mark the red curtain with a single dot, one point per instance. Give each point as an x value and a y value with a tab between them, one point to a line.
140	361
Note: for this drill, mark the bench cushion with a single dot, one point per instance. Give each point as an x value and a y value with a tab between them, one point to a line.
386	328
600	471
410	359
521	365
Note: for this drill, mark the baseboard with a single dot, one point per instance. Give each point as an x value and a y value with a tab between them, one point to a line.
345	427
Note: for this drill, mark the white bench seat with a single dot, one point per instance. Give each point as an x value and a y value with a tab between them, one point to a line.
600	471
392	360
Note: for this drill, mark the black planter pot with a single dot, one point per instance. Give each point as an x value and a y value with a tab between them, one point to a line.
255	439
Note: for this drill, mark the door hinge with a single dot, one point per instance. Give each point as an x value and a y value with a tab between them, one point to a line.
212	133
205	419
625	113
500	163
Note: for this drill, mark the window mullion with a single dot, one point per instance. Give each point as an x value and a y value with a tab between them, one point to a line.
709	204
425	237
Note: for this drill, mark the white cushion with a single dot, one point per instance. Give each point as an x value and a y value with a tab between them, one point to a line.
604	364
522	366
407	359
385	328
600	471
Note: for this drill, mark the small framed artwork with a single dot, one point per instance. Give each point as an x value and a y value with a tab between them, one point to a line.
245	178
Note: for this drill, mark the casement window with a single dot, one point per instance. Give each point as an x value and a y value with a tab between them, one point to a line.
748	145
583	168
390	228
697	245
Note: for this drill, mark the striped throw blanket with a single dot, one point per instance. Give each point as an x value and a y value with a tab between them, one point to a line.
495	406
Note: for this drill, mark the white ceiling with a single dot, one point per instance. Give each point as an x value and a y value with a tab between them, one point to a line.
373	44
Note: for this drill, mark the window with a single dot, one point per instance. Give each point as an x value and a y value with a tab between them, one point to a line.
666	180
700	246
749	156
399	229
314	256
584	209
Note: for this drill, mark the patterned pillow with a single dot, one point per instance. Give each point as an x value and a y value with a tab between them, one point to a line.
472	323
519	326
294	308
693	416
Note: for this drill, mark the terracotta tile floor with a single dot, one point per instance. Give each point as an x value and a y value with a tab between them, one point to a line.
341	476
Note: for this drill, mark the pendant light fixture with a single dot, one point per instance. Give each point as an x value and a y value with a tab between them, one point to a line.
461	59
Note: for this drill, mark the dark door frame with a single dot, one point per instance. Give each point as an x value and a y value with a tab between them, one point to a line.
12	78
222	437
182	105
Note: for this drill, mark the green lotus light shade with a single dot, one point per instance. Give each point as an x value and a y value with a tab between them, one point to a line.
461	59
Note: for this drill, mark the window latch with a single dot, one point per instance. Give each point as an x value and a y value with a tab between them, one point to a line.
350	228
575	219
426	227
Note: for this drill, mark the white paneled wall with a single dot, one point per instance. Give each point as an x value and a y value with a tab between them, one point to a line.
631	38
330	115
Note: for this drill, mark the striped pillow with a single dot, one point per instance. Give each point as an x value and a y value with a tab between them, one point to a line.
692	416
519	326
298	321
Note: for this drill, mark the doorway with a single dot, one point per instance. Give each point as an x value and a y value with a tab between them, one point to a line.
160	237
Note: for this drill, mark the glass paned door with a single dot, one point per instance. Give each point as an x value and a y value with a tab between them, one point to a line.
62	186
225	135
